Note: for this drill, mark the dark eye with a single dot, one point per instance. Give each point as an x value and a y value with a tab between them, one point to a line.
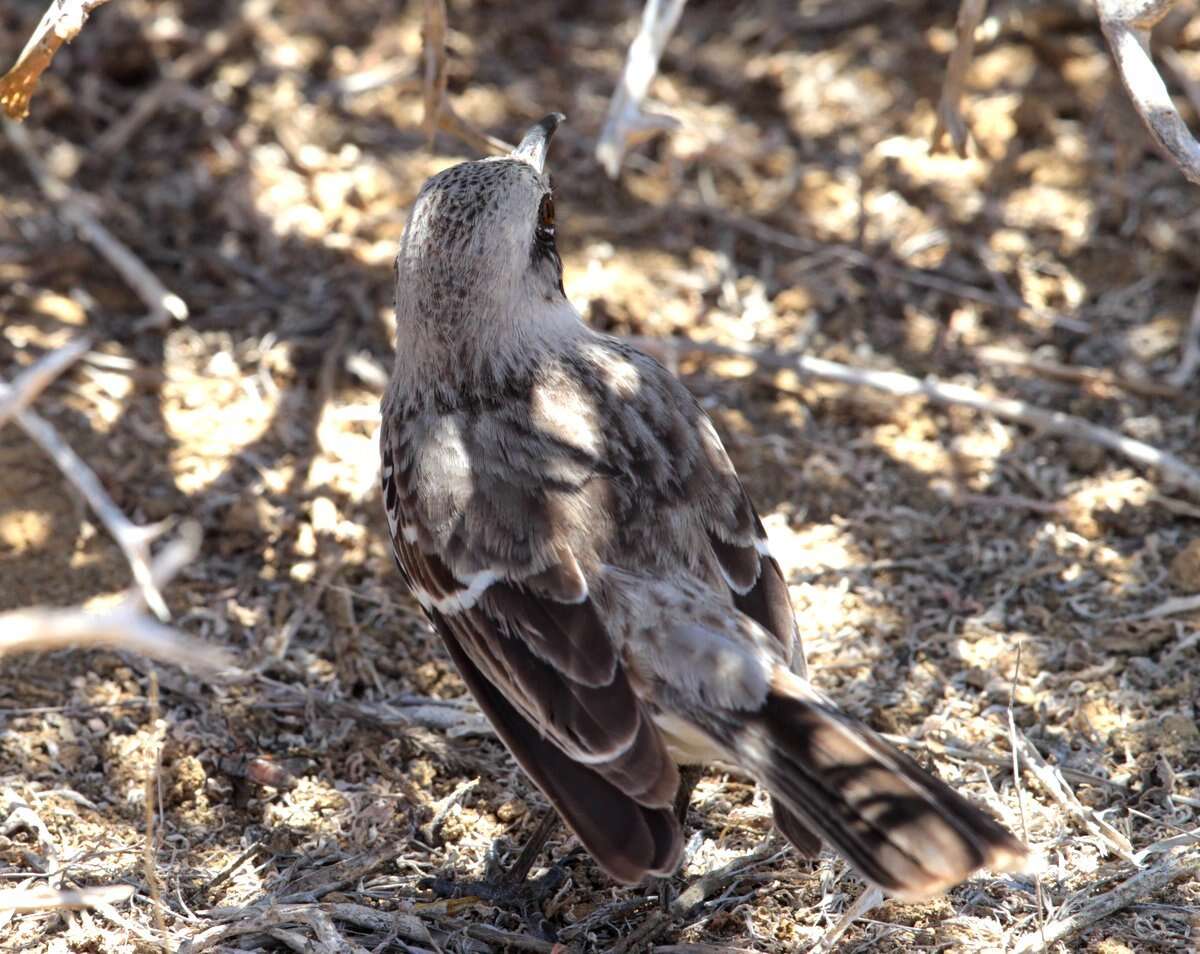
545	226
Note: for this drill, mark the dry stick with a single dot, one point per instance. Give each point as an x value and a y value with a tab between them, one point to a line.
133	540
60	24
626	121
910	275
434	53
1012	729
1057	788
941	392
30	900
949	109
1127	28
1189	359
150	848
124	626
866	902
179	73
1079	374
1177	865
694	894
164	305
439	113
34	380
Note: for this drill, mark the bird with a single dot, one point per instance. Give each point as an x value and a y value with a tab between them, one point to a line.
565	513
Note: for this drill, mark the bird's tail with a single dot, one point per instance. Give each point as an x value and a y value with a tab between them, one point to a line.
901	828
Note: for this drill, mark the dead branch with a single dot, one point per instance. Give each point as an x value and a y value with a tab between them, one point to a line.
1126	25
43	898
178	74
1172	467
123	626
1189	359
702	888
17	396
863	905
439	112
133	540
1057	788
949	110
165	306
1096	379
60	24
626	123
1176	865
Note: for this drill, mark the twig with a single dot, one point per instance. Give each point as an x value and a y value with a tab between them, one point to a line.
917	277
219	879
432	832
1060	423
133	540
43	898
1189	358
150	799
439	113
1016	770
991	758
626	122
178	73
949	110
1127	28
694	894
1178	864
60	24
1076	374
1057	788
866	902
518	942
164	305
123	626
434	53
33	381
1171	606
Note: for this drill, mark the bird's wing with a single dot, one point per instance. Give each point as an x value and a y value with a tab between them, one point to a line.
469	513
655	420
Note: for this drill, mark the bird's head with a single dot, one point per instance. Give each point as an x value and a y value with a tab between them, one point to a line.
480	238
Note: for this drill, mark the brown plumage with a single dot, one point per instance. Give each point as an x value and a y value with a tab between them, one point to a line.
565	513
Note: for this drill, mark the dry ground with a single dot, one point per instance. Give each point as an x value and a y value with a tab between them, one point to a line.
923	545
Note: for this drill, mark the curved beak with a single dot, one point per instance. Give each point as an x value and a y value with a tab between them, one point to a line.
536	142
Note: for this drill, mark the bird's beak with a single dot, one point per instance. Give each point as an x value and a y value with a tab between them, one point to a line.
536	142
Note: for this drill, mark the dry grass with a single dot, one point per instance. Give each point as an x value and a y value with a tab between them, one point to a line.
266	185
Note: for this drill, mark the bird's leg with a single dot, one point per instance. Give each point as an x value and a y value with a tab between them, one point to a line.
518	871
689	775
511	887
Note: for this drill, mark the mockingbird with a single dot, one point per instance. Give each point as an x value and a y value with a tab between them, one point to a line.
564	512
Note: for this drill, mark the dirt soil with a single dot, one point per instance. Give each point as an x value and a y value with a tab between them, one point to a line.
928	549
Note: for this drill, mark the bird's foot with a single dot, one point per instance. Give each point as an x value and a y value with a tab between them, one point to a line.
512	889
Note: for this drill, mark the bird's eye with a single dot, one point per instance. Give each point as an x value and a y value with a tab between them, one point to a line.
545	226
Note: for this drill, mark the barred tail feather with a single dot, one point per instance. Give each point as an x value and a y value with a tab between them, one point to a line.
902	829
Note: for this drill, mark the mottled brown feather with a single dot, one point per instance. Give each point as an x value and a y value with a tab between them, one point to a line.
626	838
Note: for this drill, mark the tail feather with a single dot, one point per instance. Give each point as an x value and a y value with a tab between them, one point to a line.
900	827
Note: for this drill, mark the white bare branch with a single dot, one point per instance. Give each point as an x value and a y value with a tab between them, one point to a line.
949	111
1172	467
626	123
1126	25
165	306
122	626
